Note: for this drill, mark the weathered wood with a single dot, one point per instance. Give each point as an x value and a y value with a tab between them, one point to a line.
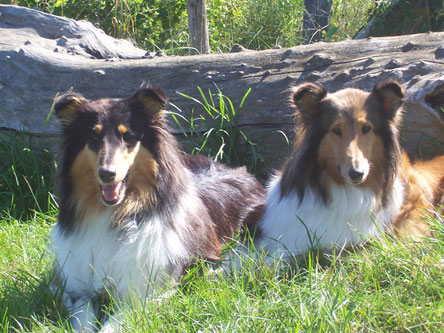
52	34
198	26
32	74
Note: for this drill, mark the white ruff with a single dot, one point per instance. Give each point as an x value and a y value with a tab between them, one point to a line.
290	227
98	256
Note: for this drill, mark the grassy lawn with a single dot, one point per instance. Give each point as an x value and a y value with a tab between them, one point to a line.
394	285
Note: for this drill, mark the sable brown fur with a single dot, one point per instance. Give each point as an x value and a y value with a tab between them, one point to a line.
425	192
310	165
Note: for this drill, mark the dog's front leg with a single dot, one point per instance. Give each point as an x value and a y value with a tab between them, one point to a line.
112	324
82	313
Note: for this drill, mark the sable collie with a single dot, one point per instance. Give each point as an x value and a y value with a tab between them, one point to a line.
347	178
134	212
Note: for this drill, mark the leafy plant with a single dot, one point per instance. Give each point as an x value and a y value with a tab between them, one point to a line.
151	24
256	24
347	18
215	131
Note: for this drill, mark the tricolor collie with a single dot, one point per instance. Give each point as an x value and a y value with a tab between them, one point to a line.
347	178
134	213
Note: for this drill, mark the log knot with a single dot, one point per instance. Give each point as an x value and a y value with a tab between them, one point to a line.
319	60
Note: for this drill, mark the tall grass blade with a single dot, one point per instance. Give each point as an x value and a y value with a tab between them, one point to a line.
222	140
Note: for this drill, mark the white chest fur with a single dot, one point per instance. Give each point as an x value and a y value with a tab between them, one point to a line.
97	255
290	227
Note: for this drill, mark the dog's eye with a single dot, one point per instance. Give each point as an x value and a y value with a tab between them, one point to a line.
95	137
128	137
337	131
366	128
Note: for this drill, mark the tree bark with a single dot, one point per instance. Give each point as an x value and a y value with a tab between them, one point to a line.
198	26
316	19
37	62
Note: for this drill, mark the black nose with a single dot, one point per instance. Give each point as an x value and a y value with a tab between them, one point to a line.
355	175
107	175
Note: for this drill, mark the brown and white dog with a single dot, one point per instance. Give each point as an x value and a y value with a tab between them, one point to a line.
347	178
134	212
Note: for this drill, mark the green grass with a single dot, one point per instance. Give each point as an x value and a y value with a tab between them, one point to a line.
26	302
214	131
26	179
395	286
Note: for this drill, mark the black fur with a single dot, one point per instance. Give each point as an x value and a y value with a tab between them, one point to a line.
229	195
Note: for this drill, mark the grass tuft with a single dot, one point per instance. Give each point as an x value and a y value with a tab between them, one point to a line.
214	131
26	179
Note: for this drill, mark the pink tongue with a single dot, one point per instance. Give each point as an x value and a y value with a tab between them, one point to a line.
111	192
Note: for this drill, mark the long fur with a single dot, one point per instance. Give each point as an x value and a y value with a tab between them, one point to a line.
135	213
347	178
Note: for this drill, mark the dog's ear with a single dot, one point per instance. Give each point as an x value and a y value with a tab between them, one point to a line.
152	100
391	95
306	98
67	106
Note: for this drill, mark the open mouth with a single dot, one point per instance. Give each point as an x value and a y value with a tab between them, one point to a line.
112	194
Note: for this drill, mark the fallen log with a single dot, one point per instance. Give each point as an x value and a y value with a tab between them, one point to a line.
42	55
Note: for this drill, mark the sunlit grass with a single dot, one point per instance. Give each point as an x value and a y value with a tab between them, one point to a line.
213	130
394	286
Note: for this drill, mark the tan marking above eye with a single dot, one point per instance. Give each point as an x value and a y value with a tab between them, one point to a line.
98	129
122	129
